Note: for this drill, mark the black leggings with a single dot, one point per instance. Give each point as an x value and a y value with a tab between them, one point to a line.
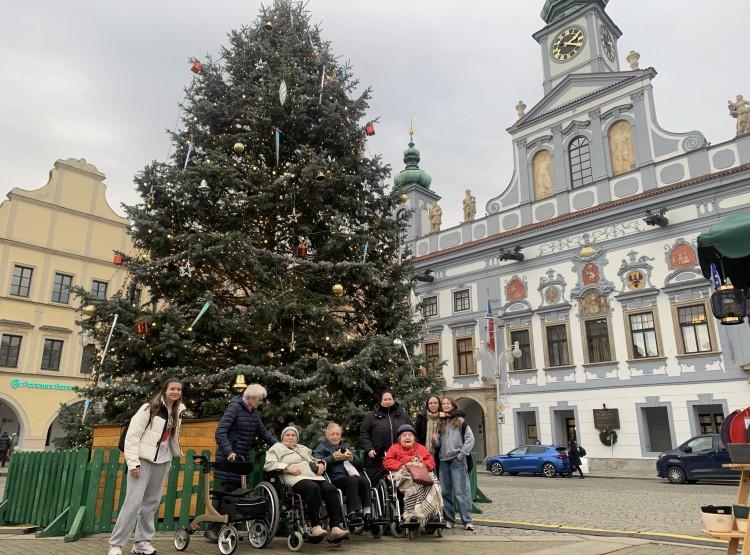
312	491
356	489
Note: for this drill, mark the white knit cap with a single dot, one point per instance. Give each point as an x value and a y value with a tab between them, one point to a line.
288	428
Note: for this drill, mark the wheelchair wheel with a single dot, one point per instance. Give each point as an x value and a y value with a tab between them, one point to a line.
227	539
439	532
257	534
396	530
414	533
181	539
294	541
271	521
376	531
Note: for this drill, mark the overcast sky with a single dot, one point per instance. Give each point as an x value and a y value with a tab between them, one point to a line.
101	80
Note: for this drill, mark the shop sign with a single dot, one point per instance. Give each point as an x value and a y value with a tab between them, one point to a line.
16	383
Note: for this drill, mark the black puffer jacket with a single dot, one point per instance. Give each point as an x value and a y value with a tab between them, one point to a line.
379	429
235	434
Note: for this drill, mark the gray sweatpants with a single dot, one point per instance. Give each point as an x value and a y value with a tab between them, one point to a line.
142	500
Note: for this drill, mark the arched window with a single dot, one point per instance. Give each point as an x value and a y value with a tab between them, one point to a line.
580	162
621	148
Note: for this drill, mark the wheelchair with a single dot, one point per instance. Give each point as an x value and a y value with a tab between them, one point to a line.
257	507
378	522
390	504
292	511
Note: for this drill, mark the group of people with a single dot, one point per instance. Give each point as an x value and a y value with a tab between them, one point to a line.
7	444
439	441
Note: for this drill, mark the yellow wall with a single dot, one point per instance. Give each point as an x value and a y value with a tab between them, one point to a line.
66	227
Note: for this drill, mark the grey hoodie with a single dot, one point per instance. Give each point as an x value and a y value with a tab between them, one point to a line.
450	443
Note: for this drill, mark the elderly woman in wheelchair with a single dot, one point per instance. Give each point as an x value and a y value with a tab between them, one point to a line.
303	474
411	465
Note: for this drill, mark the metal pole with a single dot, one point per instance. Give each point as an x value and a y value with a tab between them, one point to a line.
498	392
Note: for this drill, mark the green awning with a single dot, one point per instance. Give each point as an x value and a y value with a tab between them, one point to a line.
727	246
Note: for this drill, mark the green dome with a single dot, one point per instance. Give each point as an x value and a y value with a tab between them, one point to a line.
412	175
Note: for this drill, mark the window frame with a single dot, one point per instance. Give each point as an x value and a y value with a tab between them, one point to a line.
630	333
433	360
577	183
6	362
19	286
679	337
465	355
426	304
88	359
96	290
461	292
585	335
62	288
547	351
48	354
526	348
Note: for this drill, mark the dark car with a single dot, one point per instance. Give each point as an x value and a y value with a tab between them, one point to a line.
546	460
699	458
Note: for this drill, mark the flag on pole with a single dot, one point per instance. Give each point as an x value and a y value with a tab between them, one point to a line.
490	328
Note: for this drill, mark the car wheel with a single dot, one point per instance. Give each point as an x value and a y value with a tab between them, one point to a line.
676	475
549	470
497	468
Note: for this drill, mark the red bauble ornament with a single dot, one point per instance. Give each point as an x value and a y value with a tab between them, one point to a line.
141	328
196	67
118	260
370	130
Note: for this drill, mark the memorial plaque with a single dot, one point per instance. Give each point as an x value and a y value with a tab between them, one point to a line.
606	418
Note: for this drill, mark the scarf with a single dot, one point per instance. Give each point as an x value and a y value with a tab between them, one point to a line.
432	422
248	406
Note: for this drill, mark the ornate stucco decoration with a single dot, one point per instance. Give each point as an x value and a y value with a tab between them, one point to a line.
552	289
592	287
682	259
635	273
516	294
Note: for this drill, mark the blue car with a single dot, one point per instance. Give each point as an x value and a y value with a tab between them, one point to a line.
546	460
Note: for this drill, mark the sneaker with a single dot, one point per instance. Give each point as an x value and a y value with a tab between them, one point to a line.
143	548
337	533
211	535
317	531
469	527
114	550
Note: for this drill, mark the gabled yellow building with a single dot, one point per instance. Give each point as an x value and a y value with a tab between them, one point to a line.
51	239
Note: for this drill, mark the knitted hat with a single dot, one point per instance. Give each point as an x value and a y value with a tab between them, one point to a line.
405	428
290	428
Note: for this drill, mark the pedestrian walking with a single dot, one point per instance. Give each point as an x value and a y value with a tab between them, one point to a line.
152	439
574	455
5	446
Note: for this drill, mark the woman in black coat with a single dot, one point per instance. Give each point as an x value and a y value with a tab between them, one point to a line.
234	436
378	433
575	458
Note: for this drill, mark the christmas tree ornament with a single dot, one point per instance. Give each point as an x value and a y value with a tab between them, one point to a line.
320	177
260	65
239	148
89	310
282	92
370	129
203	187
268	26
118	260
239	383
404	198
140	328
201	313
189	152
196	67
294	215
337	290
302	247
186	270
322	80
364	257
277	137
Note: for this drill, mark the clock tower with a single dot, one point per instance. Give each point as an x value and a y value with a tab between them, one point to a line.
579	38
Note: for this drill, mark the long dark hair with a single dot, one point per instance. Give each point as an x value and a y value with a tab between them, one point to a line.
453	420
427	404
156	402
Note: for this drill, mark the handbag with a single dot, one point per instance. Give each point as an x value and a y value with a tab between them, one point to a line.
419	474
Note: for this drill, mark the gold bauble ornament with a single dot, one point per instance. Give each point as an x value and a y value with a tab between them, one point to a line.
337	290
89	310
404	198
239	148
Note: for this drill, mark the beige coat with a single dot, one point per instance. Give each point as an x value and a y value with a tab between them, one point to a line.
281	455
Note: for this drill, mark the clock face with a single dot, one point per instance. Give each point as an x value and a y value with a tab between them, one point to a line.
608	43
567	44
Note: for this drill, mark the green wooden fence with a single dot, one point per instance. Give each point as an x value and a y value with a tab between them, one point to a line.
68	494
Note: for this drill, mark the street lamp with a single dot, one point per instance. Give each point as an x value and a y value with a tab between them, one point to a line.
516	351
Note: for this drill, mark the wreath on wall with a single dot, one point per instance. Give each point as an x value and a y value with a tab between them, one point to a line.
608	436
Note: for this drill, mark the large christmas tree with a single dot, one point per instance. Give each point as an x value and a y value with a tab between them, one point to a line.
272	216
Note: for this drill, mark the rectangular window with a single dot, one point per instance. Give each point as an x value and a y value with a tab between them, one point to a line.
694	329
432	352
597	340
51	354
557	345
10	346
137	296
465	356
461	300
99	289
523	362
643	335
88	359
429	307
61	288
21	282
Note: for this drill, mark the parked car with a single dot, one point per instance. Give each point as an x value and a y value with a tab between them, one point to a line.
546	460
700	457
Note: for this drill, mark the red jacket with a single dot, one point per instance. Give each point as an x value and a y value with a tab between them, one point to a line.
397	454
